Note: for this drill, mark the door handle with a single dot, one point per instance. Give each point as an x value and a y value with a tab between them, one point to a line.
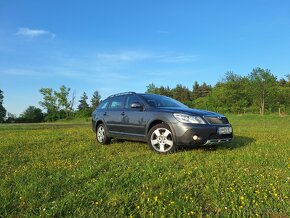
123	113
105	114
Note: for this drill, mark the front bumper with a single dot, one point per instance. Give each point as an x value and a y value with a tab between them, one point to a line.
200	134
217	141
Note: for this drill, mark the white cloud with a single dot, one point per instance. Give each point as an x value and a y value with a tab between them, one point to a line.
123	56
133	56
20	72
32	33
115	65
178	58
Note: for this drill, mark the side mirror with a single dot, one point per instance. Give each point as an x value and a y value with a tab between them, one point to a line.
136	105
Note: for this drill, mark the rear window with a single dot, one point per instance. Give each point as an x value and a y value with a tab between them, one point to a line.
117	102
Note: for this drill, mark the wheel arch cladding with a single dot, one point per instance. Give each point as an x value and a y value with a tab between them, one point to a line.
154	123
98	123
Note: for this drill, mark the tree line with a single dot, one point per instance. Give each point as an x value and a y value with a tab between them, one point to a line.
258	92
56	104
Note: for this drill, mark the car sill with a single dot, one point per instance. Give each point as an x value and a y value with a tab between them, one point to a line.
128	134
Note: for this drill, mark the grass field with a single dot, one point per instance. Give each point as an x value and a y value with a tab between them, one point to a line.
59	170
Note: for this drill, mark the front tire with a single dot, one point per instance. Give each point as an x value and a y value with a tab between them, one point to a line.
160	139
101	135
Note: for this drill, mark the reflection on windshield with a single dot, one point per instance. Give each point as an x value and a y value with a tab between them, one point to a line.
161	101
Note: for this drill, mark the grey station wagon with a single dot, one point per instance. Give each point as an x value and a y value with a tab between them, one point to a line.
162	122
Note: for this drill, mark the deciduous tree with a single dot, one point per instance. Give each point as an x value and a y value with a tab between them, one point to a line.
263	88
151	89
49	103
32	115
63	99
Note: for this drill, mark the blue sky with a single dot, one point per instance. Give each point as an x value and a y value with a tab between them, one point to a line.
115	46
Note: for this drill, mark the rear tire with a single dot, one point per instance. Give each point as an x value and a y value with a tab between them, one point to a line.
101	135
160	139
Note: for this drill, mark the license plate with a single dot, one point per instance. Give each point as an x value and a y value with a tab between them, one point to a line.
225	130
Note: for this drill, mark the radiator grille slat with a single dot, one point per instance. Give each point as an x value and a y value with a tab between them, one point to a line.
217	120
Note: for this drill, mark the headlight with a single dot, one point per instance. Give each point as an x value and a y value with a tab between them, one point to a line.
184	118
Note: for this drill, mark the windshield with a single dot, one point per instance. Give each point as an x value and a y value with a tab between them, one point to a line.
161	101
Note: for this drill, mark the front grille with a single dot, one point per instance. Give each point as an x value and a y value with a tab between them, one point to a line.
217	120
216	136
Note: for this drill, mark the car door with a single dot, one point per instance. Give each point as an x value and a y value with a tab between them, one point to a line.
134	119
113	116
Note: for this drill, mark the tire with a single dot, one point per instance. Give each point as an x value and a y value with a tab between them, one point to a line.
160	139
101	135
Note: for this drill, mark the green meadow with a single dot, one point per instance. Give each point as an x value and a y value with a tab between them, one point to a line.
58	169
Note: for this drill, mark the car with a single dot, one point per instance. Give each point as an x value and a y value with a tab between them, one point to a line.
164	123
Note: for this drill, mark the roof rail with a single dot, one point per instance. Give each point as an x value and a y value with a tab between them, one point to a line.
122	93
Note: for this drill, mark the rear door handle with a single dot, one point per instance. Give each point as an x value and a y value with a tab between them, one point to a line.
105	114
123	113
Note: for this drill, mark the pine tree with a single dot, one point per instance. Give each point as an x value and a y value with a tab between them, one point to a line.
83	106
96	99
2	109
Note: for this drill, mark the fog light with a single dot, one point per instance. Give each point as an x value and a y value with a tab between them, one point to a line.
195	137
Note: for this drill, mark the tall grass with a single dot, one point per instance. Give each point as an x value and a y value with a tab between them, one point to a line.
59	170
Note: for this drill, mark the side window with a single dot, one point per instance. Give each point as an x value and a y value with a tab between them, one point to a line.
131	99
117	102
103	104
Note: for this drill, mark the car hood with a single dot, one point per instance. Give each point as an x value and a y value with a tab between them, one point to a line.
189	111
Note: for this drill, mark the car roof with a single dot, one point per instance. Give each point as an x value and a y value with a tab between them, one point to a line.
122	93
